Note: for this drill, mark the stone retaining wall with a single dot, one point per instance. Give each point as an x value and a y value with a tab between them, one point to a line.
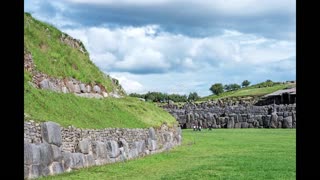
51	149
238	116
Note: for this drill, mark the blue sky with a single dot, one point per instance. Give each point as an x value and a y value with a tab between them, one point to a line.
180	46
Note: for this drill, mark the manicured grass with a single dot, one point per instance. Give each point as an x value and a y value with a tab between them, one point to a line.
218	154
249	91
68	109
57	59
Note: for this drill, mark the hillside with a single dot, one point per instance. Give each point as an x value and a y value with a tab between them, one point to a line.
248	92
58	56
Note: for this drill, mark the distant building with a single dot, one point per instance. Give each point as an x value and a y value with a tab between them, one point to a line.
285	96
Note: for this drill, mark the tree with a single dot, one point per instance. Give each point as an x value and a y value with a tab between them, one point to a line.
216	88
245	83
193	96
227	87
234	87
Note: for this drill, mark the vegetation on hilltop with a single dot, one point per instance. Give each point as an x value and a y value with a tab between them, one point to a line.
57	59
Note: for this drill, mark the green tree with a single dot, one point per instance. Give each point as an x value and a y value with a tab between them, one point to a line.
193	96
216	88
245	83
227	87
234	87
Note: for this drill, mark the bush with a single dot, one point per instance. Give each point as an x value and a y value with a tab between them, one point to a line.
245	83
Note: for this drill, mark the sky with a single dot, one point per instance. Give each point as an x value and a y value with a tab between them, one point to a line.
180	46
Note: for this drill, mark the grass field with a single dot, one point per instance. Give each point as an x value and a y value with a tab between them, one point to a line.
218	154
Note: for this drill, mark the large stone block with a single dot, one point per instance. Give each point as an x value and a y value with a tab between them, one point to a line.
46	154
89	160
67	159
56	168
140	145
96	89
83	146
34	171
230	123
133	153
83	88
152	134
51	133
44	84
244	125
77	88
31	154
273	121
113	149
26	170
77	160
99	150
287	122
57	155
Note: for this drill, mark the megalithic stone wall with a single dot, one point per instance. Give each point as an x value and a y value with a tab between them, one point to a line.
238	116
51	149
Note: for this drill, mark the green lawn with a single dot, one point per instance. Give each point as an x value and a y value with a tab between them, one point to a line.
218	154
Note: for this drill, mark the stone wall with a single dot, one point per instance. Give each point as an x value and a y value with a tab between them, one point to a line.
236	116
51	149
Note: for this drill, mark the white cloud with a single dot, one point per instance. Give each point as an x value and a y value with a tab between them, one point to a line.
129	85
133	49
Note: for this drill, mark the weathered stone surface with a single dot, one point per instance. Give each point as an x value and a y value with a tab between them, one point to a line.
84	146
140	145
244	125
152	134
70	86
56	168
64	89
230	123
34	171
31	154
99	150
88	88
46	154
273	121
105	146
77	160
67	159
57	155
287	122
113	149
133	153
96	89
89	160
83	88
77	88
26	170
51	133
44	84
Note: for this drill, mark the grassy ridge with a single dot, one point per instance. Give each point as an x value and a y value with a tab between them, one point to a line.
68	109
248	91
219	154
57	59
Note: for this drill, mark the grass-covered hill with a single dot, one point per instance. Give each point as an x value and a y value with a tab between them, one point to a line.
249	92
60	60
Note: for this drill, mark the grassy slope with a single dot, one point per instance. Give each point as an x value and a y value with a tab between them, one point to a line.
219	154
249	91
59	60
68	109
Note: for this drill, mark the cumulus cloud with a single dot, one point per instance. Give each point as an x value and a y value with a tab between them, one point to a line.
147	50
179	46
